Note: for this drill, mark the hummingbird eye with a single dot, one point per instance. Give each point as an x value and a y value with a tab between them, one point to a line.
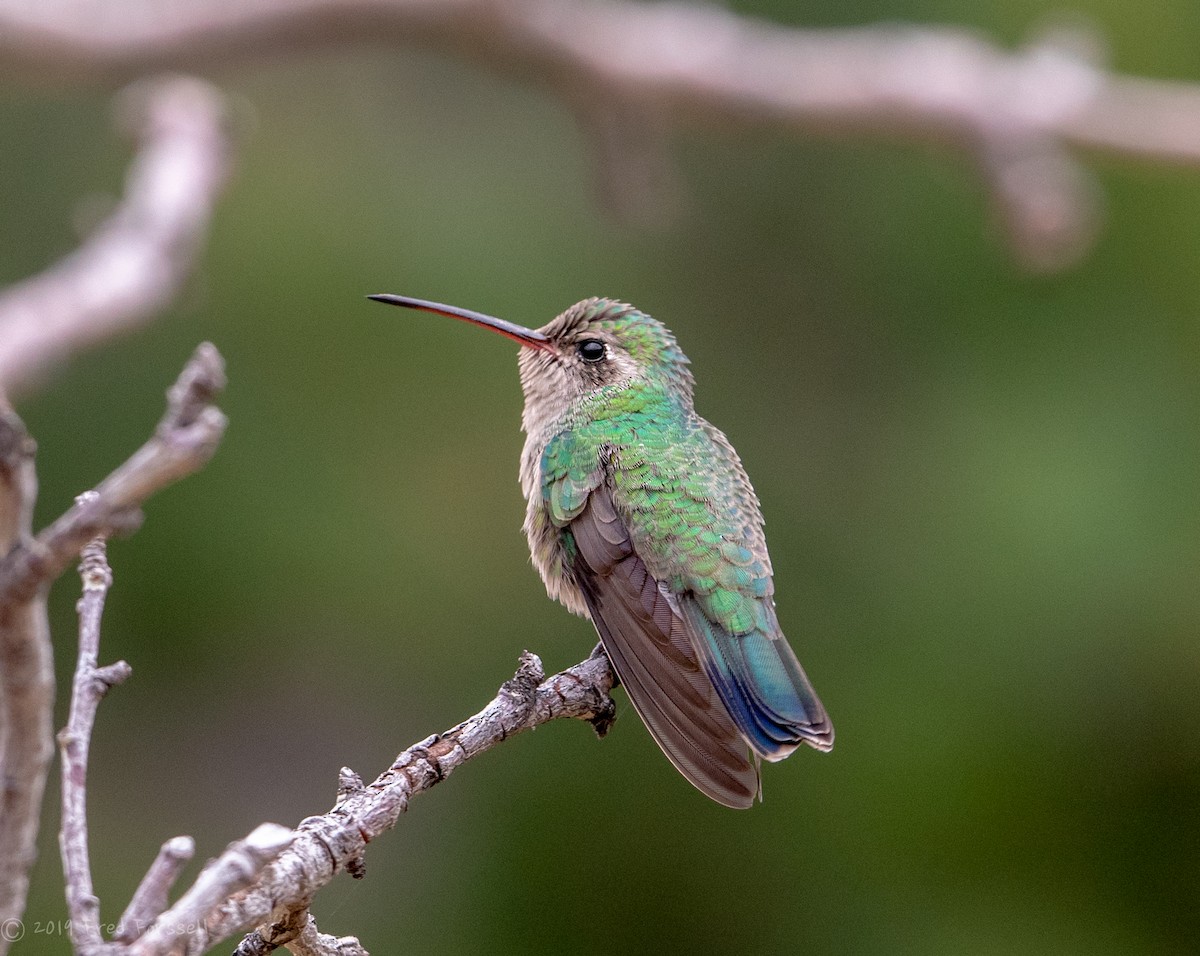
592	350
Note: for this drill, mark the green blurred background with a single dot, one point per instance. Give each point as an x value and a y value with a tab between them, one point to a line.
980	490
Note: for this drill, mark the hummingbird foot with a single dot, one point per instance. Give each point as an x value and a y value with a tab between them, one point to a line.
606	715
605	718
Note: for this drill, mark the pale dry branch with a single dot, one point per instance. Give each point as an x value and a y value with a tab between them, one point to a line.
26	684
185	439
235	869
134	263
269	878
182	927
121	275
183	442
90	685
296	929
150	900
1019	115
322	846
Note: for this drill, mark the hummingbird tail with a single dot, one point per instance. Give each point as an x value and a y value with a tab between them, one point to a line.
762	685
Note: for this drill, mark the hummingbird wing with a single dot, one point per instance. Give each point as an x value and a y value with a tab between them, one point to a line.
646	636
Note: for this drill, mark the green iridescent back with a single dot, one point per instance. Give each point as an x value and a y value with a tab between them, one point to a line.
693	526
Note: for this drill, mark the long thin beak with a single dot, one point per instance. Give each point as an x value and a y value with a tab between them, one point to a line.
530	338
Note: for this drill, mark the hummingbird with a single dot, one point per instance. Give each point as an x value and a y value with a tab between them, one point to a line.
641	517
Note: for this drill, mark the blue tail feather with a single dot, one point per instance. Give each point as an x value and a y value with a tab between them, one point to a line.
762	685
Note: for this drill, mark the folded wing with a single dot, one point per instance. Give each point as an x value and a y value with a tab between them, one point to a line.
646	635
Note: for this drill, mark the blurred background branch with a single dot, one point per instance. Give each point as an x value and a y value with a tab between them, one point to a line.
132	265
1017	115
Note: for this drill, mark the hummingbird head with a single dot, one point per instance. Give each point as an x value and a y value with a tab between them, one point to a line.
595	344
598	343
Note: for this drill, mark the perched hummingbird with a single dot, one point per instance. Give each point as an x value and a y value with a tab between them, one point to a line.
641	517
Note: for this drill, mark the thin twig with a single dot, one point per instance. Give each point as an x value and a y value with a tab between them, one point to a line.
150	900
183	442
125	272
134	263
89	687
242	863
185	439
235	869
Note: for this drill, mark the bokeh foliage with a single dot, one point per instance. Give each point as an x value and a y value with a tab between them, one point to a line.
980	490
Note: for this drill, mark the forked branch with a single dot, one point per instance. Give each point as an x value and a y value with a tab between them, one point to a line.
185	439
183	442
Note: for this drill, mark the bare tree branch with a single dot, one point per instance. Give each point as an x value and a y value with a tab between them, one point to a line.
309	857
150	900
26	685
185	925
91	683
134	263
241	863
184	441
270	877
1018	115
